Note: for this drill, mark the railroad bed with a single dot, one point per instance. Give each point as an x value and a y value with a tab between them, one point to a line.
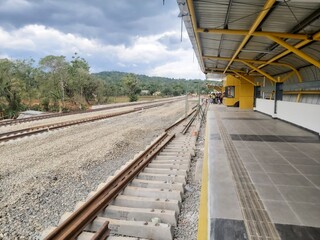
9	122
143	198
23	132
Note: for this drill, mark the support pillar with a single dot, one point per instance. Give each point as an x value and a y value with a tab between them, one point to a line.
257	94
278	95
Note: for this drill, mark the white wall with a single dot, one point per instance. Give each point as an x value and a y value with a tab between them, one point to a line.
302	114
265	106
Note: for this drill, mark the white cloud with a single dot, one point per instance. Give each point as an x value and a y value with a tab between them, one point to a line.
147	54
183	68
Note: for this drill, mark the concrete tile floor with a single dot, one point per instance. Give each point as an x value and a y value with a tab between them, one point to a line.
283	162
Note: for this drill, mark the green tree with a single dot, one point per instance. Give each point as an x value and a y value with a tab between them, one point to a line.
56	69
131	84
27	73
11	87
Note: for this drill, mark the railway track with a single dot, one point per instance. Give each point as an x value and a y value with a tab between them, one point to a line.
142	200
52	115
4	137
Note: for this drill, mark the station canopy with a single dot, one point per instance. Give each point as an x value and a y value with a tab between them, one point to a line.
253	37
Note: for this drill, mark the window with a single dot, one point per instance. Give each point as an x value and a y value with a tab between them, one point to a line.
230	91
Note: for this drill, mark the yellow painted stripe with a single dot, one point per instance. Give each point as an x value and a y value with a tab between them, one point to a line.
203	212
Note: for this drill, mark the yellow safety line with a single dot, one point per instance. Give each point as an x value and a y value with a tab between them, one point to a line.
203	212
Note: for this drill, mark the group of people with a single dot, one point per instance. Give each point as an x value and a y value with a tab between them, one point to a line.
215	98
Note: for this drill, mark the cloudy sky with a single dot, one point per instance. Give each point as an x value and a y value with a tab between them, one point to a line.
140	36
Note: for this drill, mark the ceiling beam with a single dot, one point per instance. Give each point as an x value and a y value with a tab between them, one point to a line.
257	62
247	60
260	71
298	36
259	28
298	52
286	52
253	28
244	78
195	26
220	70
297	28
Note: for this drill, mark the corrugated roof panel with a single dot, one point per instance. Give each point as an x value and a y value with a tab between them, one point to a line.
244	13
313	50
211	14
230	42
287	15
313	27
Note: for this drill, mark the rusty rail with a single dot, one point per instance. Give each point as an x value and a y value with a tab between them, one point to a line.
52	115
44	128
179	121
75	224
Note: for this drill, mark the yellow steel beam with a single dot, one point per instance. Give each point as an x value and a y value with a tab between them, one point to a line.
285	78
315	92
244	78
298	52
284	53
258	62
194	26
221	70
260	71
298	97
254	26
257	33
246	60
219	89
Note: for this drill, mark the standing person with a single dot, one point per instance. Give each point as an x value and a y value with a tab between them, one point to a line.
219	98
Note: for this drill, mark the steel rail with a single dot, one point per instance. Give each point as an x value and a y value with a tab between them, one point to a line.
52	115
76	223
179	121
44	128
186	128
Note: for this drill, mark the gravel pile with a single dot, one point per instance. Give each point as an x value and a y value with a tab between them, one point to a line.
43	176
188	218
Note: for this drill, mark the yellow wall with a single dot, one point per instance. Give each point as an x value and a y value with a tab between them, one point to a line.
243	92
231	81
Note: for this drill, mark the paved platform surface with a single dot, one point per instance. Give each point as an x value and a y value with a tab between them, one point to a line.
263	177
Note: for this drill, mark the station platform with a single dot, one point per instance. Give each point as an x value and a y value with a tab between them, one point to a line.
261	178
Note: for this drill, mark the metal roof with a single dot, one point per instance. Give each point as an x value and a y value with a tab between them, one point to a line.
241	35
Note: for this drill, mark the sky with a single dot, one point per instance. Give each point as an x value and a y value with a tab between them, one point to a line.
139	36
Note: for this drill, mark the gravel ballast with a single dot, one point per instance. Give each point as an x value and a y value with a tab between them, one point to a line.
43	176
188	218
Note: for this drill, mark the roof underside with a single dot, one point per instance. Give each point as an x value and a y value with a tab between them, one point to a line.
214	50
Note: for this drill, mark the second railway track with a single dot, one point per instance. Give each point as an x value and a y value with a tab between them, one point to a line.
6	136
53	115
142	199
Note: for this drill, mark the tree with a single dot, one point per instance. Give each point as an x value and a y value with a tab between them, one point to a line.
56	68
131	84
11	87
27	73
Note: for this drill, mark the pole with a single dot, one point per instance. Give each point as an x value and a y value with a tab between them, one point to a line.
186	104
199	92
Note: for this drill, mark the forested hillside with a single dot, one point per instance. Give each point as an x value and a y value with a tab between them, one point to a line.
56	84
166	86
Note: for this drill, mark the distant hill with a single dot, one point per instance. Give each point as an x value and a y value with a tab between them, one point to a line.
167	86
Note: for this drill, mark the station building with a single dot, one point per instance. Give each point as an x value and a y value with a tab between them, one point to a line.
261	171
